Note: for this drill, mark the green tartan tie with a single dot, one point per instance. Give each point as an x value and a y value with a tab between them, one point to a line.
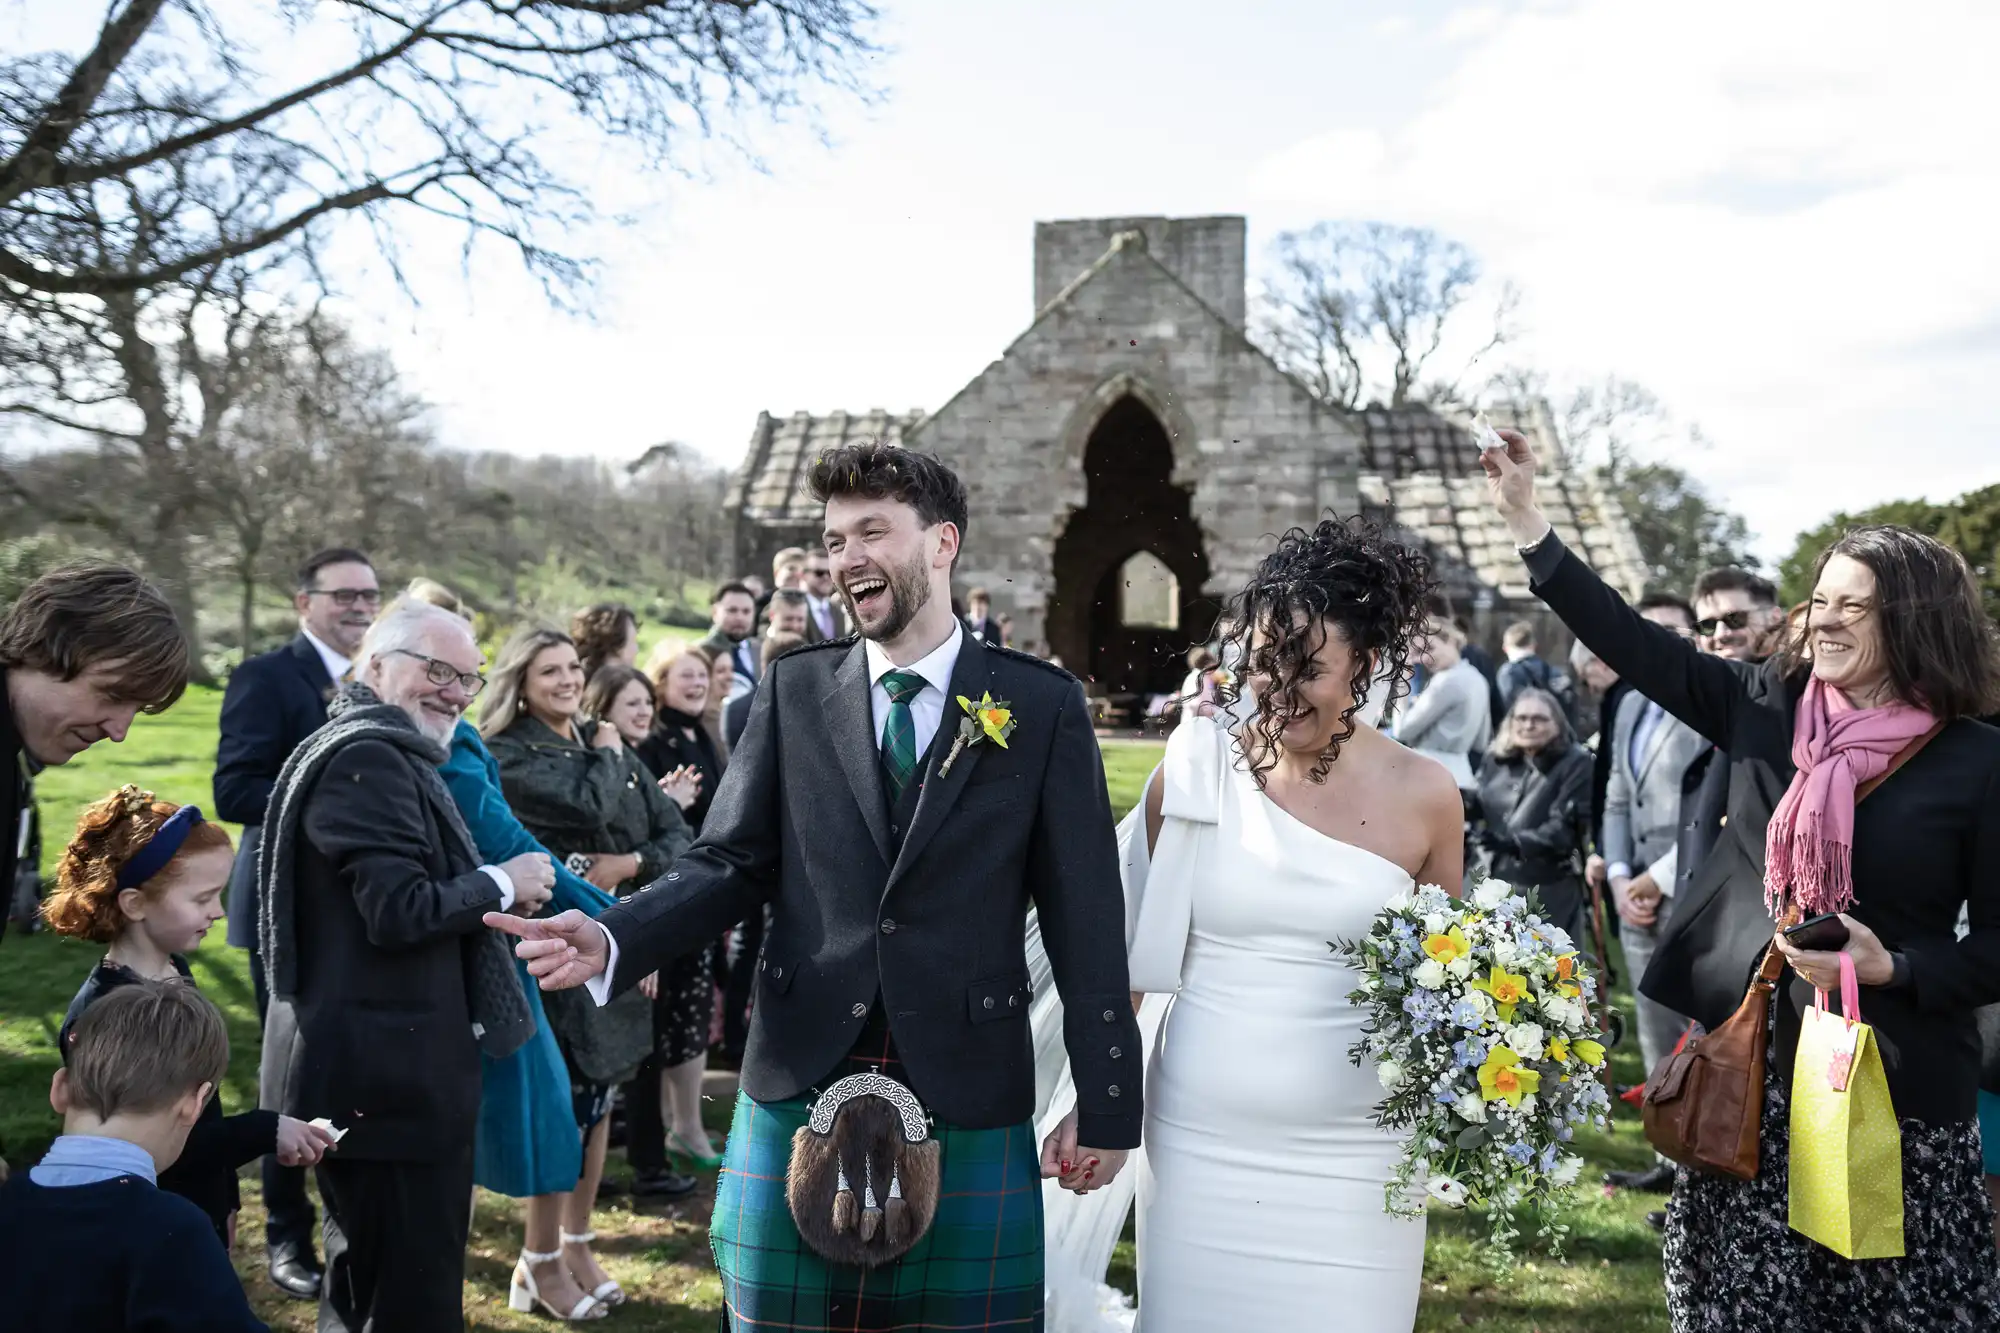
899	736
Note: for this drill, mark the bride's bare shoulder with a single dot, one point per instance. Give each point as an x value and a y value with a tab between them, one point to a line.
1415	778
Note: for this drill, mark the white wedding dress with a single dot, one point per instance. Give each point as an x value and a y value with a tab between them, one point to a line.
1260	1185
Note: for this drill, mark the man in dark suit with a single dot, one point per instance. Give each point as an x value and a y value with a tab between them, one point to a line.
979	617
274	702
732	614
737	715
900	844
825	617
385	989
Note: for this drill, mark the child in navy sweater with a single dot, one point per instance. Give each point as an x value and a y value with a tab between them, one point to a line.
146	877
144	1062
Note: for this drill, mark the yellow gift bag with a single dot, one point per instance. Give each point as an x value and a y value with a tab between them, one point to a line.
1846	1171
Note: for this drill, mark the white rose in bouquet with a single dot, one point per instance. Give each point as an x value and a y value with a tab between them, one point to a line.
1436	922
1526	1040
1460	968
1391	1075
1491	893
1504	951
1429	974
1398	904
1471	1109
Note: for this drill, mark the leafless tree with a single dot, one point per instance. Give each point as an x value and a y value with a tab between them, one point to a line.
1355	309
460	110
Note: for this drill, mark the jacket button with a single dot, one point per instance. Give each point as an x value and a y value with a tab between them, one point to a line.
1116	1053
778	972
987	1002
1114	1089
860	1011
1110	1017
888	927
1013	1001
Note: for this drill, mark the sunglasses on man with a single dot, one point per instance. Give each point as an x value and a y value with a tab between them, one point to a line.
1727	620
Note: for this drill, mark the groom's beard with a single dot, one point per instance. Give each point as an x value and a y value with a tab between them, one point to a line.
909	593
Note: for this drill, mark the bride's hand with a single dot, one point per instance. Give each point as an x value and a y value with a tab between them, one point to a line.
1078	1169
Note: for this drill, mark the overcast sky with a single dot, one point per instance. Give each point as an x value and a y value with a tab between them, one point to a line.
1779	216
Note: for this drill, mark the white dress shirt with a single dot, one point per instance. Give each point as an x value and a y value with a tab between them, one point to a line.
926	715
336	666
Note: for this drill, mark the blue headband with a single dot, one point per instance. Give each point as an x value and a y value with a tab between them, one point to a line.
153	857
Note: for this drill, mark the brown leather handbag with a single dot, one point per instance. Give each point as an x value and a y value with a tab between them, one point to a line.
1704	1103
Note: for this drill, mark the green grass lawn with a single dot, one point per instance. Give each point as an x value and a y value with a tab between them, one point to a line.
1609	1279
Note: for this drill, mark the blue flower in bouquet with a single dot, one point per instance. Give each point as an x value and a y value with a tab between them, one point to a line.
1550	1154
1468	1014
1520	1154
1470	1053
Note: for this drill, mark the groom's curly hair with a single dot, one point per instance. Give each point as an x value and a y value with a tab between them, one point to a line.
878	470
1346	577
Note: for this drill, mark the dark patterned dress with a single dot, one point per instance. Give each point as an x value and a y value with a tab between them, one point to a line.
1734	1265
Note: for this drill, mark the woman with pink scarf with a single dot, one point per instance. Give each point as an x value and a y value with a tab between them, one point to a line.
1895	661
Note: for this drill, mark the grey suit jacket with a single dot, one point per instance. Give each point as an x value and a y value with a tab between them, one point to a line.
1642	805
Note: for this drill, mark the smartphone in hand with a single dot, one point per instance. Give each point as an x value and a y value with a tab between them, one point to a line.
1825	933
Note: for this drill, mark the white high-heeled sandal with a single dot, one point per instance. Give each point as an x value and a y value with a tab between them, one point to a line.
523	1295
608	1291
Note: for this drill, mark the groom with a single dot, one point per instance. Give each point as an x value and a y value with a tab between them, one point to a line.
899	862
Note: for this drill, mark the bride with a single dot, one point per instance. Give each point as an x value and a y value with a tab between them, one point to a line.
1266	833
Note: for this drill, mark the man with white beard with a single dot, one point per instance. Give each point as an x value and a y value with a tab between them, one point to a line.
385	988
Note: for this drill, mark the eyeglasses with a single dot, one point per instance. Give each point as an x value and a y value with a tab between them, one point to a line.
347	597
444	673
1729	619
819	573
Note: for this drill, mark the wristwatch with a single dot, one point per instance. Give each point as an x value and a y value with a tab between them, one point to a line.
1529	548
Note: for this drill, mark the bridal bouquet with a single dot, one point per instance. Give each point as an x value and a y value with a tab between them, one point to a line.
1480	1029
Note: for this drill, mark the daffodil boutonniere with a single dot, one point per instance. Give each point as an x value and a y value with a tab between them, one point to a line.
987	719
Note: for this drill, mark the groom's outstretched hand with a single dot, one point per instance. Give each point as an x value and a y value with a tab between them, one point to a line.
561	951
1078	1168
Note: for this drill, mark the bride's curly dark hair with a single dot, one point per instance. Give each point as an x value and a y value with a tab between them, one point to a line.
1346	576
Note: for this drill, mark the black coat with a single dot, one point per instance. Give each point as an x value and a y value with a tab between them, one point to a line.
670	747
1540	806
273	702
930	920
14	795
1600	764
379	1035
584	798
1925	843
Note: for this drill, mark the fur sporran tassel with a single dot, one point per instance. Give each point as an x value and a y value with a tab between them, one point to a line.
896	1212
871	1211
843	1208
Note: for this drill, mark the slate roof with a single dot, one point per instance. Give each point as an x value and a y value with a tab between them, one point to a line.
771	487
1422	468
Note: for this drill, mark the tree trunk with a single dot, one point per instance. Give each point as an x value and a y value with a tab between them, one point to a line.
167	564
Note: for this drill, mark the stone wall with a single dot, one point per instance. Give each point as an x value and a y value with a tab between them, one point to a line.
1206	254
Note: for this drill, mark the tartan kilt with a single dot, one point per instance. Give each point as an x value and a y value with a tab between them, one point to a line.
978	1268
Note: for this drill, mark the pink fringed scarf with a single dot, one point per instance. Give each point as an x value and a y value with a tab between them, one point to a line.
1809	846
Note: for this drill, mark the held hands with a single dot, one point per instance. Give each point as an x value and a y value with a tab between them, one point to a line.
1632	909
534	878
606	737
561	951
1078	1169
301	1144
1510	482
1873	964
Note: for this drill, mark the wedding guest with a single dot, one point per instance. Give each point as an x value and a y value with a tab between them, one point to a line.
385	987
669	1122
1532	808
606	634
527	1146
788	569
272	703
582	794
1897	662
824	617
1005	624
1451	719
736	714
733	614
721	677
979	616
92	1244
786	613
84	650
145	877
